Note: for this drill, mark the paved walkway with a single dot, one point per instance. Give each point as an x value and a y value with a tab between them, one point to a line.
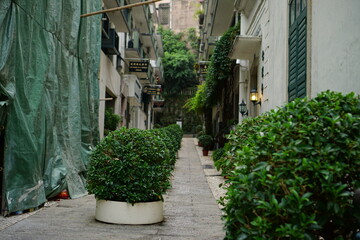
191	212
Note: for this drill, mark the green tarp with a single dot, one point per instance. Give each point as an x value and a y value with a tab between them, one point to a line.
49	64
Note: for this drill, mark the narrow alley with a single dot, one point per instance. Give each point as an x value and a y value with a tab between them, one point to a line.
191	211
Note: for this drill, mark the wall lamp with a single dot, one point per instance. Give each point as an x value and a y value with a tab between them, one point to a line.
243	109
254	98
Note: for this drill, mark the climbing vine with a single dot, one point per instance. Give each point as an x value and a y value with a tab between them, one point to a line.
220	68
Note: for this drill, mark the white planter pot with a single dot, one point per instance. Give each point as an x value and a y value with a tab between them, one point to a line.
125	213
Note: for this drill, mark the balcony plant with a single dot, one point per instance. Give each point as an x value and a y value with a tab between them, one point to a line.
128	172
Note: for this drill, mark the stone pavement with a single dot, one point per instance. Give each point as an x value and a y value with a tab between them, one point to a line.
191	211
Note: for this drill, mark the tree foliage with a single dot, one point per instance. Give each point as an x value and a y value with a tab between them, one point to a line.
197	102
178	63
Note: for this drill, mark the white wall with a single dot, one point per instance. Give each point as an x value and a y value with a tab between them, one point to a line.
334	55
102	89
137	118
335	48
276	56
109	79
269	20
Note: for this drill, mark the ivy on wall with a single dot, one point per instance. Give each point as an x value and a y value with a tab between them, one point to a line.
219	71
220	67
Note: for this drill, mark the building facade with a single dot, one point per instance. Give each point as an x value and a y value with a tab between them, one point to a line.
179	15
286	49
292	49
130	64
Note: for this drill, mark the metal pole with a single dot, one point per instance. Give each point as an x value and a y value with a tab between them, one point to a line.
119	8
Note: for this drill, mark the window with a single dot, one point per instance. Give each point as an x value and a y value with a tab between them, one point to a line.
297	49
164	13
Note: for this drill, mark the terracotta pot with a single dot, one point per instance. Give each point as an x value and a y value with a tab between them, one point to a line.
205	152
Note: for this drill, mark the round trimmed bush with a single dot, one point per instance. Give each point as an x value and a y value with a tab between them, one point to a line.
130	165
293	171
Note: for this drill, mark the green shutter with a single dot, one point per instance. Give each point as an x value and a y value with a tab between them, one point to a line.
297	50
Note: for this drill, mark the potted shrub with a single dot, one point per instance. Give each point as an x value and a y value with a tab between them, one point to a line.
112	121
207	142
128	173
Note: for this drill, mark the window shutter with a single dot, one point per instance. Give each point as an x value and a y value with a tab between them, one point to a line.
297	50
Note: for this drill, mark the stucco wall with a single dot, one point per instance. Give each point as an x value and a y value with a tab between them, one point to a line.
182	14
269	20
335	46
276	56
109	80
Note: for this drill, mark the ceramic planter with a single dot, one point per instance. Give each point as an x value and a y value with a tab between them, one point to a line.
126	213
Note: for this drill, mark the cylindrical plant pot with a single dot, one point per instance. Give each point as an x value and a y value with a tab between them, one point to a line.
205	152
126	213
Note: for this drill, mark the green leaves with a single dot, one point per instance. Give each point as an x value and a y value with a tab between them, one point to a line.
197	103
178	62
291	172
220	68
133	165
206	141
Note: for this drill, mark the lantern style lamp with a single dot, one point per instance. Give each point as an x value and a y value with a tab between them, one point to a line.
254	97
243	109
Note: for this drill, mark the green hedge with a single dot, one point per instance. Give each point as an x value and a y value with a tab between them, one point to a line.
206	141
292	172
133	165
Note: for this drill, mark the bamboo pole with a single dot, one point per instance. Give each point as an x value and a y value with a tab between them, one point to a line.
119	8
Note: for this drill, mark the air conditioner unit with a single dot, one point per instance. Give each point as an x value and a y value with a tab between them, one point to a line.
110	46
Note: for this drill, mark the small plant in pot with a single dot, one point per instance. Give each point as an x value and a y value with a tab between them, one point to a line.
128	173
207	142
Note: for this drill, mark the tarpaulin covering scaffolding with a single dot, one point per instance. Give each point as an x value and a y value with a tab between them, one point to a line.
49	63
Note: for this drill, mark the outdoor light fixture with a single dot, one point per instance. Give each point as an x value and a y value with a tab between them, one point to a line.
243	109
254	97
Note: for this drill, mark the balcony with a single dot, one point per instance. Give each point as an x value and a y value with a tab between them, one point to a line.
110	42
142	17
218	16
144	23
134	89
134	48
158	71
245	47
244	6
121	19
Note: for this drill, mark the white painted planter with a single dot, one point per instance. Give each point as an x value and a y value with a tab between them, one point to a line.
126	213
